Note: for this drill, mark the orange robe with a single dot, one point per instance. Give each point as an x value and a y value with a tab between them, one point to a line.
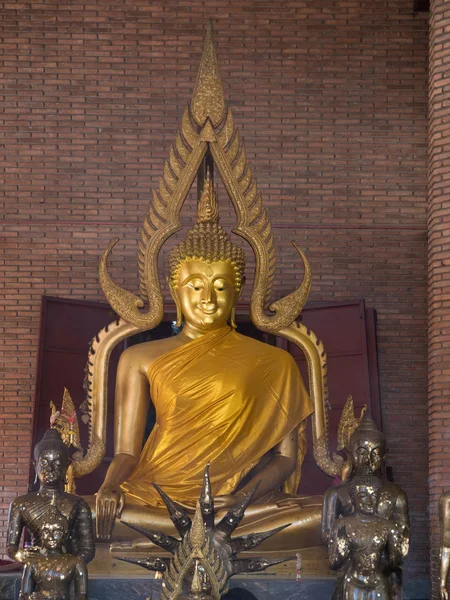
223	398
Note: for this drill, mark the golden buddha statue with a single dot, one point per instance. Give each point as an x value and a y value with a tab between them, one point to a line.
219	396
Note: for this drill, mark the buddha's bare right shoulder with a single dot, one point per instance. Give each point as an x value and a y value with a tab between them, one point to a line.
141	356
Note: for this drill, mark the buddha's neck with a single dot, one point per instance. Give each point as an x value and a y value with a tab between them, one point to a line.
192	333
366	518
51	492
53	552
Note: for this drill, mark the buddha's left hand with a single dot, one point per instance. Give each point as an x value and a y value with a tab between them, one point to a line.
225	502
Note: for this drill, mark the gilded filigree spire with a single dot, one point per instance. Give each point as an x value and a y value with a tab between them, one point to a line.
207	126
65	421
208	99
197	532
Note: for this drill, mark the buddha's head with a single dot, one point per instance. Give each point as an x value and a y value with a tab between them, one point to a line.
365	493
54	529
206	270
51	459
367	447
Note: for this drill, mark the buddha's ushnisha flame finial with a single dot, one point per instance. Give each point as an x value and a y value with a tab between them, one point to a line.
207	241
208	208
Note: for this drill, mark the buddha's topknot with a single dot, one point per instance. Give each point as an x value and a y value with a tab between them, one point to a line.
51	441
207	241
367	431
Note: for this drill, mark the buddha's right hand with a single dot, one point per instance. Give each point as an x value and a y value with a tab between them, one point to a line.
443	594
109	503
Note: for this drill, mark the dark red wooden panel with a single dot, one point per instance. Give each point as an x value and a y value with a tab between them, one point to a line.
67	327
344	332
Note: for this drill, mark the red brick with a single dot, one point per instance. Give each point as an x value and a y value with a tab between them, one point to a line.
331	98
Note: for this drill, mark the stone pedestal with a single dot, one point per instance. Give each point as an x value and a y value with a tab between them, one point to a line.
264	588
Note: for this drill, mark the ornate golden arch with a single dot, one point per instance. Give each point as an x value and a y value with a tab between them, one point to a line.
207	126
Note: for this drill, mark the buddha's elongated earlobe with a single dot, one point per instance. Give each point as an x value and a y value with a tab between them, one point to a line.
233	310
174	295
179	321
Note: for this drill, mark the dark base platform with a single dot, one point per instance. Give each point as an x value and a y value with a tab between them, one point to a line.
264	589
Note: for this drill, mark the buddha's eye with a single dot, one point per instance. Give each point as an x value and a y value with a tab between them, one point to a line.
196	284
220	285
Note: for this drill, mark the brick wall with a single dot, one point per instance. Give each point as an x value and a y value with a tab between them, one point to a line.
331	98
439	276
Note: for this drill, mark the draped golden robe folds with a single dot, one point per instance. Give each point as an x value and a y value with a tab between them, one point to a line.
223	398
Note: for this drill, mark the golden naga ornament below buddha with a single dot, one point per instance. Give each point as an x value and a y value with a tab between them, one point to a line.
207	133
205	554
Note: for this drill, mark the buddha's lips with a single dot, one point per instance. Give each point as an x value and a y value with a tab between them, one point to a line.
208	311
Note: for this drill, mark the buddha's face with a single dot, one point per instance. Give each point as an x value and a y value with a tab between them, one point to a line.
206	293
51	467
366	499
52	536
368	457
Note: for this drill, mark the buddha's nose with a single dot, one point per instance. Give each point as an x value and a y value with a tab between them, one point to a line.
208	307
208	297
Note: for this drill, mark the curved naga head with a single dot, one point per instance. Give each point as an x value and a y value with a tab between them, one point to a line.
207	129
204	558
